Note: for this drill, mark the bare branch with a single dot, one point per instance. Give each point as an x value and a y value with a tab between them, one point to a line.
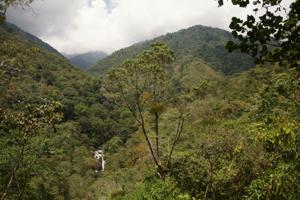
177	136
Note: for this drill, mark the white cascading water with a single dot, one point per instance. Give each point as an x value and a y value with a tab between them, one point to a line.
99	156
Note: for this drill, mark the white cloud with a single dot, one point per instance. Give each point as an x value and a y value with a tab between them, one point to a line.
75	26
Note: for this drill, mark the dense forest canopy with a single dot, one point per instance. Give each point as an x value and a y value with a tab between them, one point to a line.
177	117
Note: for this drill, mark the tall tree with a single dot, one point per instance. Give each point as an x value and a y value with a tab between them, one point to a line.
141	85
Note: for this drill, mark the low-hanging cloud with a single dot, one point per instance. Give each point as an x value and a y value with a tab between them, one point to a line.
76	26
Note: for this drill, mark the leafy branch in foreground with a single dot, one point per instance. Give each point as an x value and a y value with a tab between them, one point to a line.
20	131
271	34
142	86
5	4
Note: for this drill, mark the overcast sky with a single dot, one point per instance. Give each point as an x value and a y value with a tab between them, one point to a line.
77	26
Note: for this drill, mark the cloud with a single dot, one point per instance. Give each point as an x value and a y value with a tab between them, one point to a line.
76	26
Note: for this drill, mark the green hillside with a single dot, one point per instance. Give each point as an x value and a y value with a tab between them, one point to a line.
227	149
38	73
197	42
219	127
31	78
13	29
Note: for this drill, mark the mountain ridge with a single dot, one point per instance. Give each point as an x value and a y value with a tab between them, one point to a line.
85	60
12	28
206	43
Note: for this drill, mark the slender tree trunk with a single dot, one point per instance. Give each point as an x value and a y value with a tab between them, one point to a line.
177	136
11	178
16	167
5	7
206	190
142	123
150	146
157	136
24	186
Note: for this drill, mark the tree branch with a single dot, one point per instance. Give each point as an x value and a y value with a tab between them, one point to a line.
177	136
142	122
157	135
147	138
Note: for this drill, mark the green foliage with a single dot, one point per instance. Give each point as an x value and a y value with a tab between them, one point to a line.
139	82
240	138
277	127
215	168
30	73
279	183
272	35
155	189
141	85
23	145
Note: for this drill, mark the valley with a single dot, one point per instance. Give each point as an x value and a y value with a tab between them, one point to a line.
177	117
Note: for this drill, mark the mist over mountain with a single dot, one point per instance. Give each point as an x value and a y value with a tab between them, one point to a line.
86	60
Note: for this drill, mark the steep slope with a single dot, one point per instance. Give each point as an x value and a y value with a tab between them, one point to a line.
32	74
36	73
13	29
197	42
85	60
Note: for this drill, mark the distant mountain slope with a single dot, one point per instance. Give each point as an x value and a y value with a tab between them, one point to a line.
197	42
84	61
11	28
31	71
31	74
38	65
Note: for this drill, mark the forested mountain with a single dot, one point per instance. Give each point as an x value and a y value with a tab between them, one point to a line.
13	29
36	80
86	60
178	118
235	135
197	42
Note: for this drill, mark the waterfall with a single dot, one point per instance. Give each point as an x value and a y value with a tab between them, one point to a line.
99	156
